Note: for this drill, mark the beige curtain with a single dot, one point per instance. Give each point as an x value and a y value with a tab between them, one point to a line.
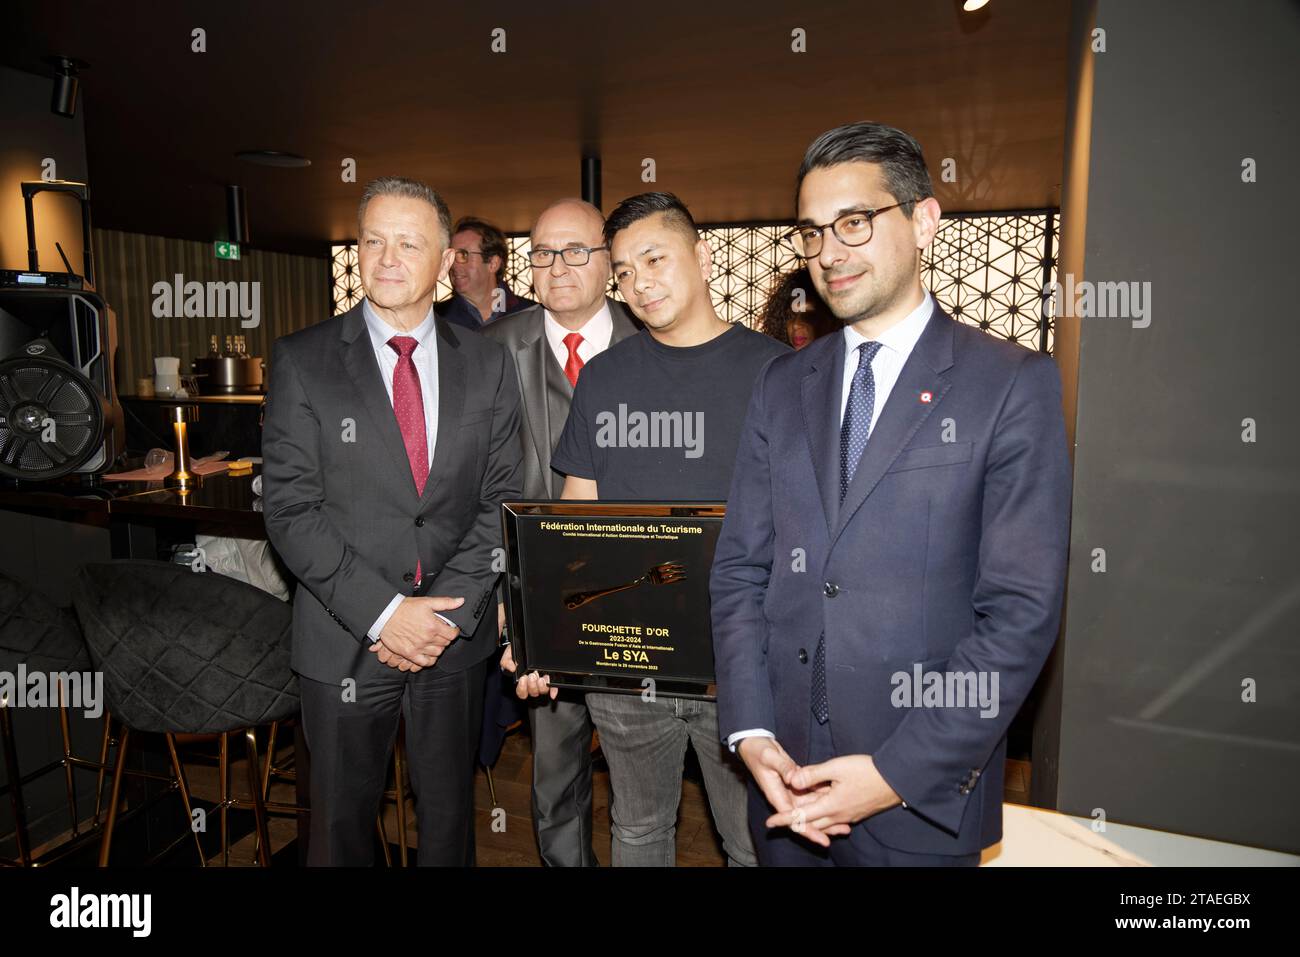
295	292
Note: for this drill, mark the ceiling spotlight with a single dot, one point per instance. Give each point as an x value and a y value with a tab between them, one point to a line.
972	15
64	98
273	158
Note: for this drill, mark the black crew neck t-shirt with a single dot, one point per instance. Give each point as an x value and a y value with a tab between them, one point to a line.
651	422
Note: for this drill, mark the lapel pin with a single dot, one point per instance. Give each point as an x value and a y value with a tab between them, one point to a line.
927	396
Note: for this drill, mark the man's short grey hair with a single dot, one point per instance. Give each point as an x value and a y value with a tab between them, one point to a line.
409	189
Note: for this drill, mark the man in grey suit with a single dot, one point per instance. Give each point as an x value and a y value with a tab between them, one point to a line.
550	344
390	442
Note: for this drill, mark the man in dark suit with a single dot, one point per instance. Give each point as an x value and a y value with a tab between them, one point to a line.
898	523
390	442
550	343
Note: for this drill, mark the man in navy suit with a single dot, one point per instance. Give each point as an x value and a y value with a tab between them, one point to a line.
888	582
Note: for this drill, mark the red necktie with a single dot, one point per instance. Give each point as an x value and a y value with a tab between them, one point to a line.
408	406
575	363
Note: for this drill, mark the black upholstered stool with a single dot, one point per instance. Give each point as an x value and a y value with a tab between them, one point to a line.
189	653
43	637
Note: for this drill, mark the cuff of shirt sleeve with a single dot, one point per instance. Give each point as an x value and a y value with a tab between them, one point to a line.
377	628
448	621
737	737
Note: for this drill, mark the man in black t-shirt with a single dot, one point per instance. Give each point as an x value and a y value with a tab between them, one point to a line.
658	417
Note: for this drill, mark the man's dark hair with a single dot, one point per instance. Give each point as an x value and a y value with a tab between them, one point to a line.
897	154
636	208
407	189
492	242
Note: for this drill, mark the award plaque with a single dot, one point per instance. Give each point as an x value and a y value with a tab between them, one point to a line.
605	595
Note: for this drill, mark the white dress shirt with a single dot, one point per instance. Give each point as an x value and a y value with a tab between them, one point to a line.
596	333
896	344
425	358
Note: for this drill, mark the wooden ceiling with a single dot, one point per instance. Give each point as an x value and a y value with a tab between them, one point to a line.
711	92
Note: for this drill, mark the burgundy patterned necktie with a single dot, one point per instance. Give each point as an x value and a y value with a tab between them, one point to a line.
408	406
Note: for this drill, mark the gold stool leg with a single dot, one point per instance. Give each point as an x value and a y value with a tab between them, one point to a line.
259	807
115	797
15	785
67	758
266	777
103	764
179	770
398	773
270	757
223	771
383	836
492	788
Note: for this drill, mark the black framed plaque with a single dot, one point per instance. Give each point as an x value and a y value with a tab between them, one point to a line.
604	595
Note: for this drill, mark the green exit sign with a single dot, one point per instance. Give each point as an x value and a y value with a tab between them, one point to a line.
226	250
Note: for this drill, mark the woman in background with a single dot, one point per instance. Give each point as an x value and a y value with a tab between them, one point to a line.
794	313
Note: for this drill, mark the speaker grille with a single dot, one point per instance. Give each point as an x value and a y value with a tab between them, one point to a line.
51	418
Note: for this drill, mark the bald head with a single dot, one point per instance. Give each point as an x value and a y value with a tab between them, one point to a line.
572	294
570	211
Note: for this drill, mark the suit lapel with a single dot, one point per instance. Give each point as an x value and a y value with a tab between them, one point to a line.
363	368
451	405
530	360
903	413
820	397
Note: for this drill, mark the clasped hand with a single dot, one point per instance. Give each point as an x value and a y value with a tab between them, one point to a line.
817	801
414	637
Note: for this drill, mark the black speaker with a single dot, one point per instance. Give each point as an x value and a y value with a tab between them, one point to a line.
59	413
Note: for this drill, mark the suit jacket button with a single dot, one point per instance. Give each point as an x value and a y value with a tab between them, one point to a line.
419	521
831	589
803	656
408	577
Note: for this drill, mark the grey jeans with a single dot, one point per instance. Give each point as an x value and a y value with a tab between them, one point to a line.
644	743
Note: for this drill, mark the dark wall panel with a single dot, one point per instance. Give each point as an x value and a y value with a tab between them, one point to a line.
1200	595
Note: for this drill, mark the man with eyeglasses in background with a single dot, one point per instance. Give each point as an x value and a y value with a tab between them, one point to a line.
550	343
478	277
919	468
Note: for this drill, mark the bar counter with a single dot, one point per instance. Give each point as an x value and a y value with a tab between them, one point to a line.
222	499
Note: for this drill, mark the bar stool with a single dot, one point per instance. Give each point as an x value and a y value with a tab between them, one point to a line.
44	638
188	653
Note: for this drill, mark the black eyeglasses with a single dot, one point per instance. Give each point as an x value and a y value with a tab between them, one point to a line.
572	255
462	255
852	229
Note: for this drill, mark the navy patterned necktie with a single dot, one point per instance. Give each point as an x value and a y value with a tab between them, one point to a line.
853	439
857	415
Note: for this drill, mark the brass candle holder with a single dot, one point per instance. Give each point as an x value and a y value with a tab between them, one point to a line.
183	476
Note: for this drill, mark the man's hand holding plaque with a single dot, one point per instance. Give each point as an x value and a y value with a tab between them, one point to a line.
530	685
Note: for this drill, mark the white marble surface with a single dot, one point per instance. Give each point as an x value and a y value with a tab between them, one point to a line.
1034	837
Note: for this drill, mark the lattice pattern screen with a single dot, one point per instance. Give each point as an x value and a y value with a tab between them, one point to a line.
993	272
988	270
